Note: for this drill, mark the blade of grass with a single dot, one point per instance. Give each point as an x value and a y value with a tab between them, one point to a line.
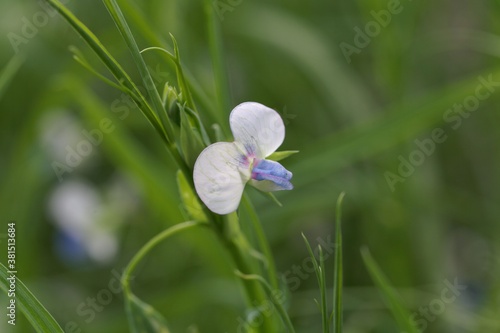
144	27
338	269
124	29
38	316
320	275
111	64
391	297
324	305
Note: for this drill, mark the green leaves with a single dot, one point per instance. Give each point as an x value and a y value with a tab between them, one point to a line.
338	277
113	66
148	82
41	320
190	139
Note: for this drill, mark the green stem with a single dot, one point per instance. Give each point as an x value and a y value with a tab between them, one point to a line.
149	246
263	243
122	25
239	249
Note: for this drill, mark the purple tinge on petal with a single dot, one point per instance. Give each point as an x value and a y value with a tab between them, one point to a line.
272	171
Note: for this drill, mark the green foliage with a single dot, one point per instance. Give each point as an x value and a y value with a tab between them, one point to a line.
335	320
352	121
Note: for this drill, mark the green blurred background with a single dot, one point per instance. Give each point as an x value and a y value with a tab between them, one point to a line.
354	120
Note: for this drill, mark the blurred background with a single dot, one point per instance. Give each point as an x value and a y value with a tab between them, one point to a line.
393	102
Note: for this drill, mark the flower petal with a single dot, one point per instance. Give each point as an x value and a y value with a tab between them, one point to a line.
270	176
220	174
260	129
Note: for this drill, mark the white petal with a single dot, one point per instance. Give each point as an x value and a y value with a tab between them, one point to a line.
220	174
259	128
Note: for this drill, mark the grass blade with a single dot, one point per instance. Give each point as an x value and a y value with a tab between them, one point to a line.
148	82
391	297
41	320
113	66
338	270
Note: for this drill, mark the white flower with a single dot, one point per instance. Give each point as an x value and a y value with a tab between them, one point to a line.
223	168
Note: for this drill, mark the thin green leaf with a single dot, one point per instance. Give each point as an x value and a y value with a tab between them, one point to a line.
186	92
272	295
281	155
199	125
324	305
190	139
391	297
148	82
273	198
41	320
313	258
143	317
338	270
110	63
79	57
143	25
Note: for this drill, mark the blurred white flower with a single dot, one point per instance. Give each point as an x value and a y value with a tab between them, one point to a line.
88	220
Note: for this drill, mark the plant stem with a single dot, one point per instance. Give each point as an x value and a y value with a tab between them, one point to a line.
149	246
239	250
